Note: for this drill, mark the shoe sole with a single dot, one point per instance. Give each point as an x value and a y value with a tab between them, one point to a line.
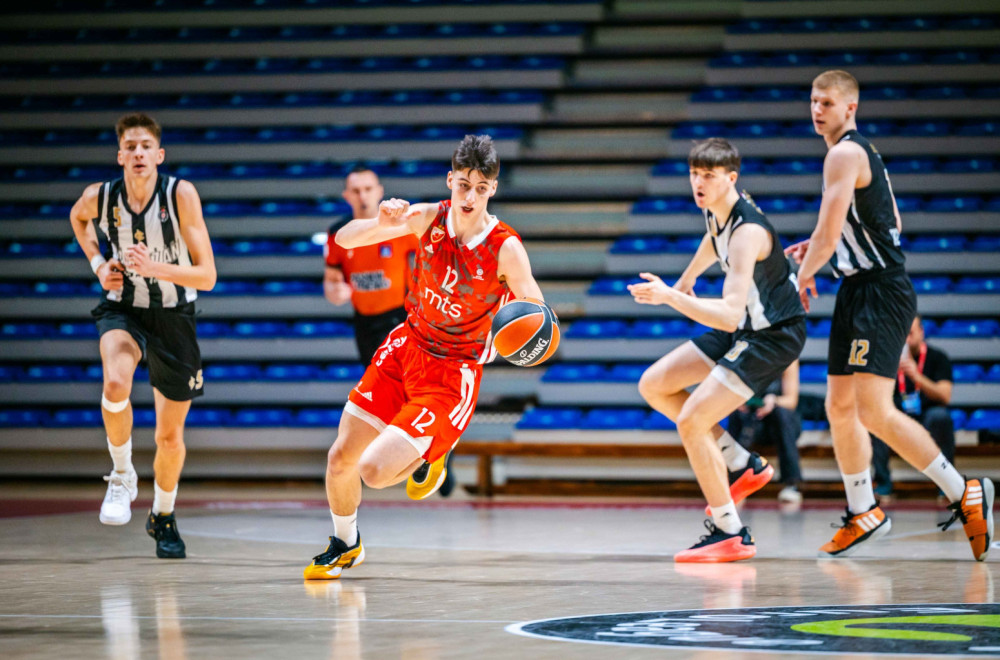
744	552
325	575
755	483
115	522
988	493
874	535
420	491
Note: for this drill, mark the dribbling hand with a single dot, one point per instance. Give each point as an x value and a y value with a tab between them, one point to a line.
393	212
797	251
805	286
110	275
653	292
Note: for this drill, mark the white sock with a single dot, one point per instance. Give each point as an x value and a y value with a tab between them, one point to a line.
947	478
860	496
726	518
163	500
121	455
736	457
345	528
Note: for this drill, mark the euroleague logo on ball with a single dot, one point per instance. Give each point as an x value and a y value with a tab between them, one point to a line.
525	332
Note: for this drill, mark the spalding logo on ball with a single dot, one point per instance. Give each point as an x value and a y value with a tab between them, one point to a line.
526	332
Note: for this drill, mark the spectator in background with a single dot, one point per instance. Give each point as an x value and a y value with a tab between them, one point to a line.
923	391
374	277
775	419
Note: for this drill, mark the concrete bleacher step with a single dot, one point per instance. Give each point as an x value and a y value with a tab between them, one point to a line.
866	74
658	10
595	144
888	146
656	39
917	222
313	82
870	109
853	8
409	47
864	40
485	113
638	73
811	184
540	11
623	108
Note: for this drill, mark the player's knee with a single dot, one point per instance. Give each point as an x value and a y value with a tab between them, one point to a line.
651	385
372	474
690	423
873	416
838	410
117	386
338	459
170	439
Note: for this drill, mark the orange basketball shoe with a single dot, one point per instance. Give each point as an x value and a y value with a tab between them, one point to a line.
975	510
744	483
855	530
718	546
337	557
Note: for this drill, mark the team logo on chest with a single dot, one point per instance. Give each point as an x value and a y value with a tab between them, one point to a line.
163	214
436	235
139	236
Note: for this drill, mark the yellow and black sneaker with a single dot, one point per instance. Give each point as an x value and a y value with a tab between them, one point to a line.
428	478
163	528
337	557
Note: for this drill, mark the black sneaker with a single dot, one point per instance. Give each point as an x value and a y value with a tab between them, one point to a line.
163	528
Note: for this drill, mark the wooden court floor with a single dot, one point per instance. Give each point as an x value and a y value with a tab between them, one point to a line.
463	578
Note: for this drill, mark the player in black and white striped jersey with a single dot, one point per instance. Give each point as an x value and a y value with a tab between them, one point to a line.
146	240
858	231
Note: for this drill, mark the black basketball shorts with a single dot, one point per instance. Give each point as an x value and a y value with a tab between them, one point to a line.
871	318
168	340
756	357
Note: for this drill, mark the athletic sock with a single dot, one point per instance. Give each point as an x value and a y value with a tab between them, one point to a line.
345	528
860	496
736	457
947	478
121	455
726	518
163	500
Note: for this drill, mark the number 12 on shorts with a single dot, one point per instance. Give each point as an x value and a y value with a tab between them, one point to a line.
420	425
859	349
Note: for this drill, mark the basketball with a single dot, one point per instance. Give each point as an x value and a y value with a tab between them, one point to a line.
526	332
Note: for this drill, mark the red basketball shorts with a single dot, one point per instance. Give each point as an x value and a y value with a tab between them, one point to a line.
429	400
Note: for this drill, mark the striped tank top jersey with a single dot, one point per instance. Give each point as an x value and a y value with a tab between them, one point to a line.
774	292
869	241
159	228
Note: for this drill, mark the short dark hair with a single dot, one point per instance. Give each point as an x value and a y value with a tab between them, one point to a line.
476	152
714	152
138	120
360	168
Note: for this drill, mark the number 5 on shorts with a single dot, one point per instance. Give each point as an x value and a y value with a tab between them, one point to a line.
859	349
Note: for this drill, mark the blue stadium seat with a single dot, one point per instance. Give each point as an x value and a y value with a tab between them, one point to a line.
574	373
212	329
343	372
755	129
550	418
777	204
978	128
957	57
793	58
938	284
815	425
322	329
257	247
899	58
699	130
820	328
974	284
946	243
984	420
968	373
231	372
796	166
291	372
717	95
291	287
958	418
925	128
258	417
53	373
70	417
597	328
199	416
777	94
844	59
235	288
659	328
320	417
63	288
961	165
942	92
605	286
812	372
10	373
23	418
260	329
86	330
26	330
736	60
626	373
613	418
639	245
968	328
993	374
657	421
957	204
663	205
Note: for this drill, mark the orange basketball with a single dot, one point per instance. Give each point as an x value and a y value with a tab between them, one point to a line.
526	332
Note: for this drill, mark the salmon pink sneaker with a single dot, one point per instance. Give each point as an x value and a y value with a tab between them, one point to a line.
744	483
718	546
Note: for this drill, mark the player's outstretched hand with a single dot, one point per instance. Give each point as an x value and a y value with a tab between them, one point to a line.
805	286
110	275
653	292
797	251
393	212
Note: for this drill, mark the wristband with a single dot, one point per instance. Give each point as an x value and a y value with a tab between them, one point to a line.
96	262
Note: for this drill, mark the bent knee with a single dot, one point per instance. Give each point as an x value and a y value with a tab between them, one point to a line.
117	387
372	474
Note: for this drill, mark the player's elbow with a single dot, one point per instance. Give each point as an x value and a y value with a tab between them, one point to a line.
208	280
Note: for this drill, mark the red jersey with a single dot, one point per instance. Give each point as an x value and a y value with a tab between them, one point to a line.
377	273
455	290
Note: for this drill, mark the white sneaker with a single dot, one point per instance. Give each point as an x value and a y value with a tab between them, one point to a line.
123	488
790	495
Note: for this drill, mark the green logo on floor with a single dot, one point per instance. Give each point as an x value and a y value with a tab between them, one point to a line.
925	629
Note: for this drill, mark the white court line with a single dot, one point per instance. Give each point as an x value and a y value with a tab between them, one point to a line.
253	618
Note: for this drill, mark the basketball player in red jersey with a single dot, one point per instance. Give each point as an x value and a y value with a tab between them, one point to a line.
418	394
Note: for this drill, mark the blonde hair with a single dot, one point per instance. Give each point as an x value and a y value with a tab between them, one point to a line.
843	81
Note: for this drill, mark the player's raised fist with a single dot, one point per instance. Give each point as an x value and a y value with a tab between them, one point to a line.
393	211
